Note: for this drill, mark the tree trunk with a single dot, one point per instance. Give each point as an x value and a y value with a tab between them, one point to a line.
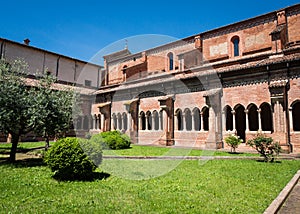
13	151
47	143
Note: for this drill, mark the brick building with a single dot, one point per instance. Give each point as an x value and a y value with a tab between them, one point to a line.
242	78
83	76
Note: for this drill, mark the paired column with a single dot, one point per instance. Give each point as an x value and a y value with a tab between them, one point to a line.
102	122
233	121
183	122
202	122
259	120
247	120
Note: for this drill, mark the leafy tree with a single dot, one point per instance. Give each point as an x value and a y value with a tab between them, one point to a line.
233	141
15	102
265	146
27	107
52	109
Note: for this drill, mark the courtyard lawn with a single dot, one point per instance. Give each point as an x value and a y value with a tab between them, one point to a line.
218	186
144	151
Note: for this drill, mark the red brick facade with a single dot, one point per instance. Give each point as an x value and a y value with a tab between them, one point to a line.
242	78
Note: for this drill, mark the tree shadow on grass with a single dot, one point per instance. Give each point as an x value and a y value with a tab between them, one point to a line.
272	162
93	177
26	162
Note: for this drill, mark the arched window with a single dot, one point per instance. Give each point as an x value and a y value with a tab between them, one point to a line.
156	120
253	117
125	122
266	117
296	116
149	120
119	125
236	45
179	120
171	61
114	121
205	117
188	119
143	120
197	122
240	121
229	118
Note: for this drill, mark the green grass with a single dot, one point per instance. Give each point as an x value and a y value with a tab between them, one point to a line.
22	146
143	151
218	186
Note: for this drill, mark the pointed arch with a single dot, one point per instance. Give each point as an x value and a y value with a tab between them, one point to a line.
125	121
178	115
142	121
253	117
240	121
115	122
197	119
188	119
156	120
205	117
266	117
149	120
228	118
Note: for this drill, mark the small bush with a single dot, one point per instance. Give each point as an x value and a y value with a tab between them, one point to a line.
73	159
265	146
233	141
112	140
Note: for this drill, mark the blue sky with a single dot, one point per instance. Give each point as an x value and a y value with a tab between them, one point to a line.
80	29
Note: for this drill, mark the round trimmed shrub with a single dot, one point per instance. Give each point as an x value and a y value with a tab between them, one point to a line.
112	140
73	158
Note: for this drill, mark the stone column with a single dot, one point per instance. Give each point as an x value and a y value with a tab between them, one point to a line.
102	122
202	122
247	120
147	122
233	121
153	122
259	120
291	119
193	121
160	120
183	122
122	123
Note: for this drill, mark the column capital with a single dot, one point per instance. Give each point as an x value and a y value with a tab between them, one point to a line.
233	112
259	110
246	111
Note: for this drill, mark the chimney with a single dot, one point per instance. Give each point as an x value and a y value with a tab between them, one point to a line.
26	41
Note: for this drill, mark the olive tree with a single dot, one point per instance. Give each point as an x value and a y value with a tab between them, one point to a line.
31	106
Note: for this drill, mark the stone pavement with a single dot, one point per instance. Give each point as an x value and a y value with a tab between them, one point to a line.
292	203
